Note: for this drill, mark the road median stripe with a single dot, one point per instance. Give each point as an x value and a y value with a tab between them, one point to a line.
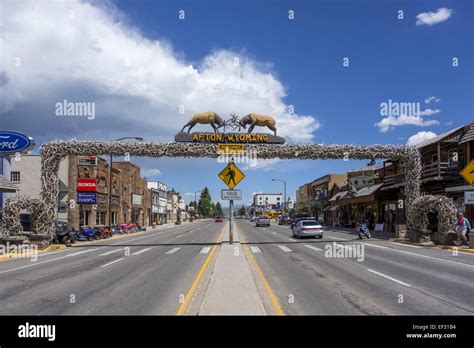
388	277
182	308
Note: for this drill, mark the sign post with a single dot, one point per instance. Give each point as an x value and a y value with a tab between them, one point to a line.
231	176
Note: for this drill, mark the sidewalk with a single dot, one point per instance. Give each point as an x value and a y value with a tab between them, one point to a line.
231	290
384	235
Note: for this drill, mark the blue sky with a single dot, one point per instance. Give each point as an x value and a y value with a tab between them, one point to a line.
389	58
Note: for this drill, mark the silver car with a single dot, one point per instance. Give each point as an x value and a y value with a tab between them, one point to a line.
308	228
262	221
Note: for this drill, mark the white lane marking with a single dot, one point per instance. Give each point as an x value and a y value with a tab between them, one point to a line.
419	255
407	245
336	238
313	247
205	250
285	249
112	262
172	251
255	250
274	232
386	276
110	252
57	258
141	251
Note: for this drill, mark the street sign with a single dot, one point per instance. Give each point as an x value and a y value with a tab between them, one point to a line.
86	160
230	149
231	175
468	173
231	195
469	197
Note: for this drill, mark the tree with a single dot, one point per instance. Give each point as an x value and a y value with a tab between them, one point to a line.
205	203
218	210
242	211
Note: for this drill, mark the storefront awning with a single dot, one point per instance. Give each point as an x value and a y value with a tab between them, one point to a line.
332	208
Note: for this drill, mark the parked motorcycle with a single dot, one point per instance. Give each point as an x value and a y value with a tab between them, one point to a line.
87	233
363	230
64	234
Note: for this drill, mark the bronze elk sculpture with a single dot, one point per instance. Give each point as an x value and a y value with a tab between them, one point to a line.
209	117
258	120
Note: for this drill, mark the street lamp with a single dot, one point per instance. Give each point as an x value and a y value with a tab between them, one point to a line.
284	185
110	177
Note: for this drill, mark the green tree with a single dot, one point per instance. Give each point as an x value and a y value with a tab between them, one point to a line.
242	211
205	203
218	210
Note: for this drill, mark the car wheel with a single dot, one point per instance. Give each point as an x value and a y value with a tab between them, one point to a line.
64	240
90	238
319	237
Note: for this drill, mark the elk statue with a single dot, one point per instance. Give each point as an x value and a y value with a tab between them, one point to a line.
209	117
258	120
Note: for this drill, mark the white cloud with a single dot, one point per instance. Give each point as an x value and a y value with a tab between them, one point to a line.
390	122
429	112
151	172
262	164
420	137
138	84
432	99
431	18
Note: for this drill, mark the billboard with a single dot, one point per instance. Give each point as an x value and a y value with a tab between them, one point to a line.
136	199
86	185
86	198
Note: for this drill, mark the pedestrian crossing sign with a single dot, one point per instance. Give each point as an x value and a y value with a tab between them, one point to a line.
231	175
468	173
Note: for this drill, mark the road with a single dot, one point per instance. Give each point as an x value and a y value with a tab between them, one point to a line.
305	281
156	271
101	279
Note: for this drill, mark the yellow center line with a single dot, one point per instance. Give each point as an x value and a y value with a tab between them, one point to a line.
253	262
189	294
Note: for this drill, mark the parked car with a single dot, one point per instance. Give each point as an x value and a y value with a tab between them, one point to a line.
298	217
64	234
218	219
308	228
116	229
253	218
262	221
284	220
87	233
103	232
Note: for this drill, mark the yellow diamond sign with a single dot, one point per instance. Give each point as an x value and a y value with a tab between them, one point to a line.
468	173
231	175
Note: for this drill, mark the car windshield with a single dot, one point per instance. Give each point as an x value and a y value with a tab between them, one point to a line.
309	223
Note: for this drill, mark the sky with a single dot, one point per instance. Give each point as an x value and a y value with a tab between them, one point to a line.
323	69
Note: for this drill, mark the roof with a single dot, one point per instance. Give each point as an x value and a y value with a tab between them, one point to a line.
7	186
437	138
469	136
365	191
363	169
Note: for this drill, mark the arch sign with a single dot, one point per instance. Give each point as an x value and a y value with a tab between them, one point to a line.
44	210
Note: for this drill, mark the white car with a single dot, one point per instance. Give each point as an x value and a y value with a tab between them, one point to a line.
308	228
262	221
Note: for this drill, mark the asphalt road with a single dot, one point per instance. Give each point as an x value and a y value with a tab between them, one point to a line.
389	279
101	279
151	272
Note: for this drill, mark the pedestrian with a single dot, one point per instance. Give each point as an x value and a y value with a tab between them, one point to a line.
462	227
